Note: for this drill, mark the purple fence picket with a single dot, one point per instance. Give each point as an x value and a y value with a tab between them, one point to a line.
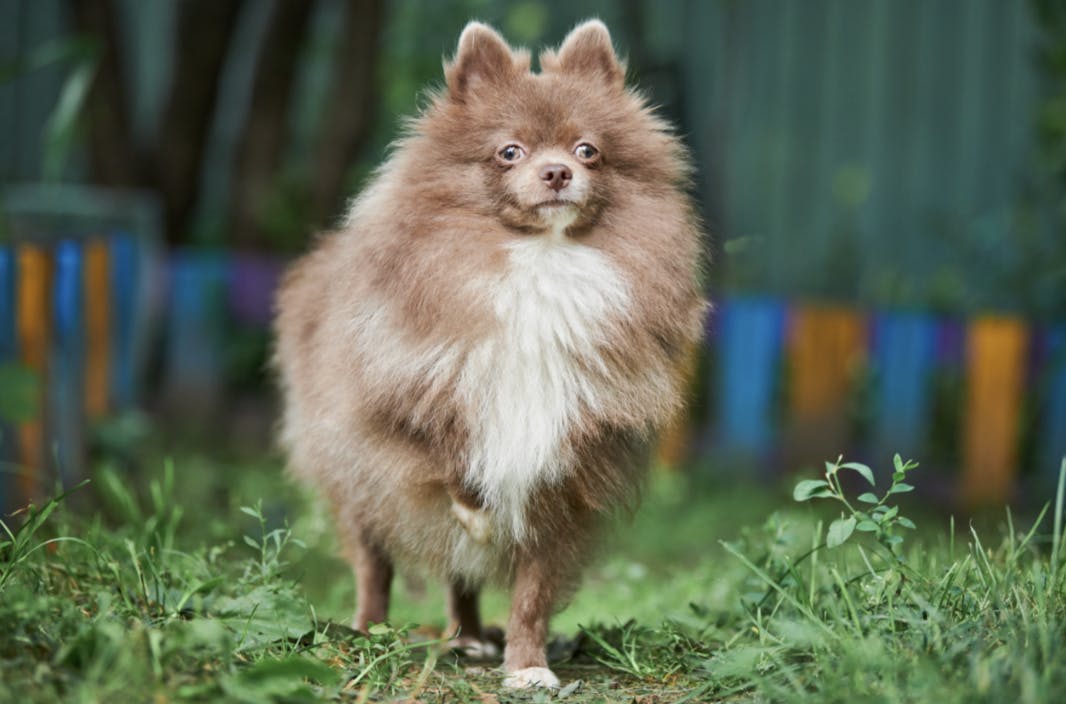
905	349
750	333
252	282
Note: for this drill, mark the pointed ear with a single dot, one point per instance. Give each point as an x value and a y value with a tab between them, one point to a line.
588	50
482	57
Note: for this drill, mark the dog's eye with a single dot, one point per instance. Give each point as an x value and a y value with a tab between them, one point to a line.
512	152
586	152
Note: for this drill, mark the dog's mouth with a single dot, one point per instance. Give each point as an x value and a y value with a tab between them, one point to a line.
554	204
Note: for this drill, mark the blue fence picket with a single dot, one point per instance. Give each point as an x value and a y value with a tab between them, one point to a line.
1054	427
8	352
905	354
66	382
8	343
125	292
750	335
196	327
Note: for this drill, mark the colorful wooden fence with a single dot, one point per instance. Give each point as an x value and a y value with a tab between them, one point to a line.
69	313
81	315
795	383
861	384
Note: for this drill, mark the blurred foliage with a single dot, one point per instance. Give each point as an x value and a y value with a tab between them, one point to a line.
1051	15
77	57
20	399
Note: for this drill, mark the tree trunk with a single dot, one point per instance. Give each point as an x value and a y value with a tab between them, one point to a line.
205	28
349	113
261	143
112	154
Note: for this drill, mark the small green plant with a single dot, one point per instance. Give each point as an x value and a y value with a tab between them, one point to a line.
17	542
271	544
881	518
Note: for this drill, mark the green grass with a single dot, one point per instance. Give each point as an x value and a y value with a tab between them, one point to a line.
198	589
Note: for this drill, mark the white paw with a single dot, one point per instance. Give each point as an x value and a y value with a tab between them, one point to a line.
531	677
476	523
476	649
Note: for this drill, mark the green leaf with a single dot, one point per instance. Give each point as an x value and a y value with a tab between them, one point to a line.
906	522
61	126
868	498
900	488
839	531
861	469
810	489
897	462
272	679
866	526
898	476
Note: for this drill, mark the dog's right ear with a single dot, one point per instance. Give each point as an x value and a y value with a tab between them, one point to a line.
483	58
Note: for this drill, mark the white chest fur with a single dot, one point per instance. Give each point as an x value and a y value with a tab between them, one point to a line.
528	383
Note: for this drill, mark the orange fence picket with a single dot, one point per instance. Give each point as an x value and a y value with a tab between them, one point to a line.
996	349
97	328
33	316
826	345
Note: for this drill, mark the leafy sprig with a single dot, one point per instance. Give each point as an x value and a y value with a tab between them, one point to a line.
880	518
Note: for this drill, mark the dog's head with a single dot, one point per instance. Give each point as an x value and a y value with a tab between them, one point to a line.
547	151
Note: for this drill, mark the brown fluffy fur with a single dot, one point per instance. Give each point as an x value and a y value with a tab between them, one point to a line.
389	333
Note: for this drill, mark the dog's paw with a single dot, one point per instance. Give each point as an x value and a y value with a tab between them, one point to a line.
476	523
531	677
474	649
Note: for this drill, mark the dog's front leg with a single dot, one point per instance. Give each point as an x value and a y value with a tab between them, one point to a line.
532	601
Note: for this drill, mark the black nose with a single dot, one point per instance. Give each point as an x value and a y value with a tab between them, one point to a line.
556	176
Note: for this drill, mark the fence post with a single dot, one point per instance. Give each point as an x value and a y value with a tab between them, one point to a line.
125	289
252	284
196	332
66	386
33	305
97	328
905	355
749	338
1054	426
996	355
8	355
827	345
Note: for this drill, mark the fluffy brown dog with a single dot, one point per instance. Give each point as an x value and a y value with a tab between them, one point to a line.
475	364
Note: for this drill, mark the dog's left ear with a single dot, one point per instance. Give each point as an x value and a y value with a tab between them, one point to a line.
587	50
